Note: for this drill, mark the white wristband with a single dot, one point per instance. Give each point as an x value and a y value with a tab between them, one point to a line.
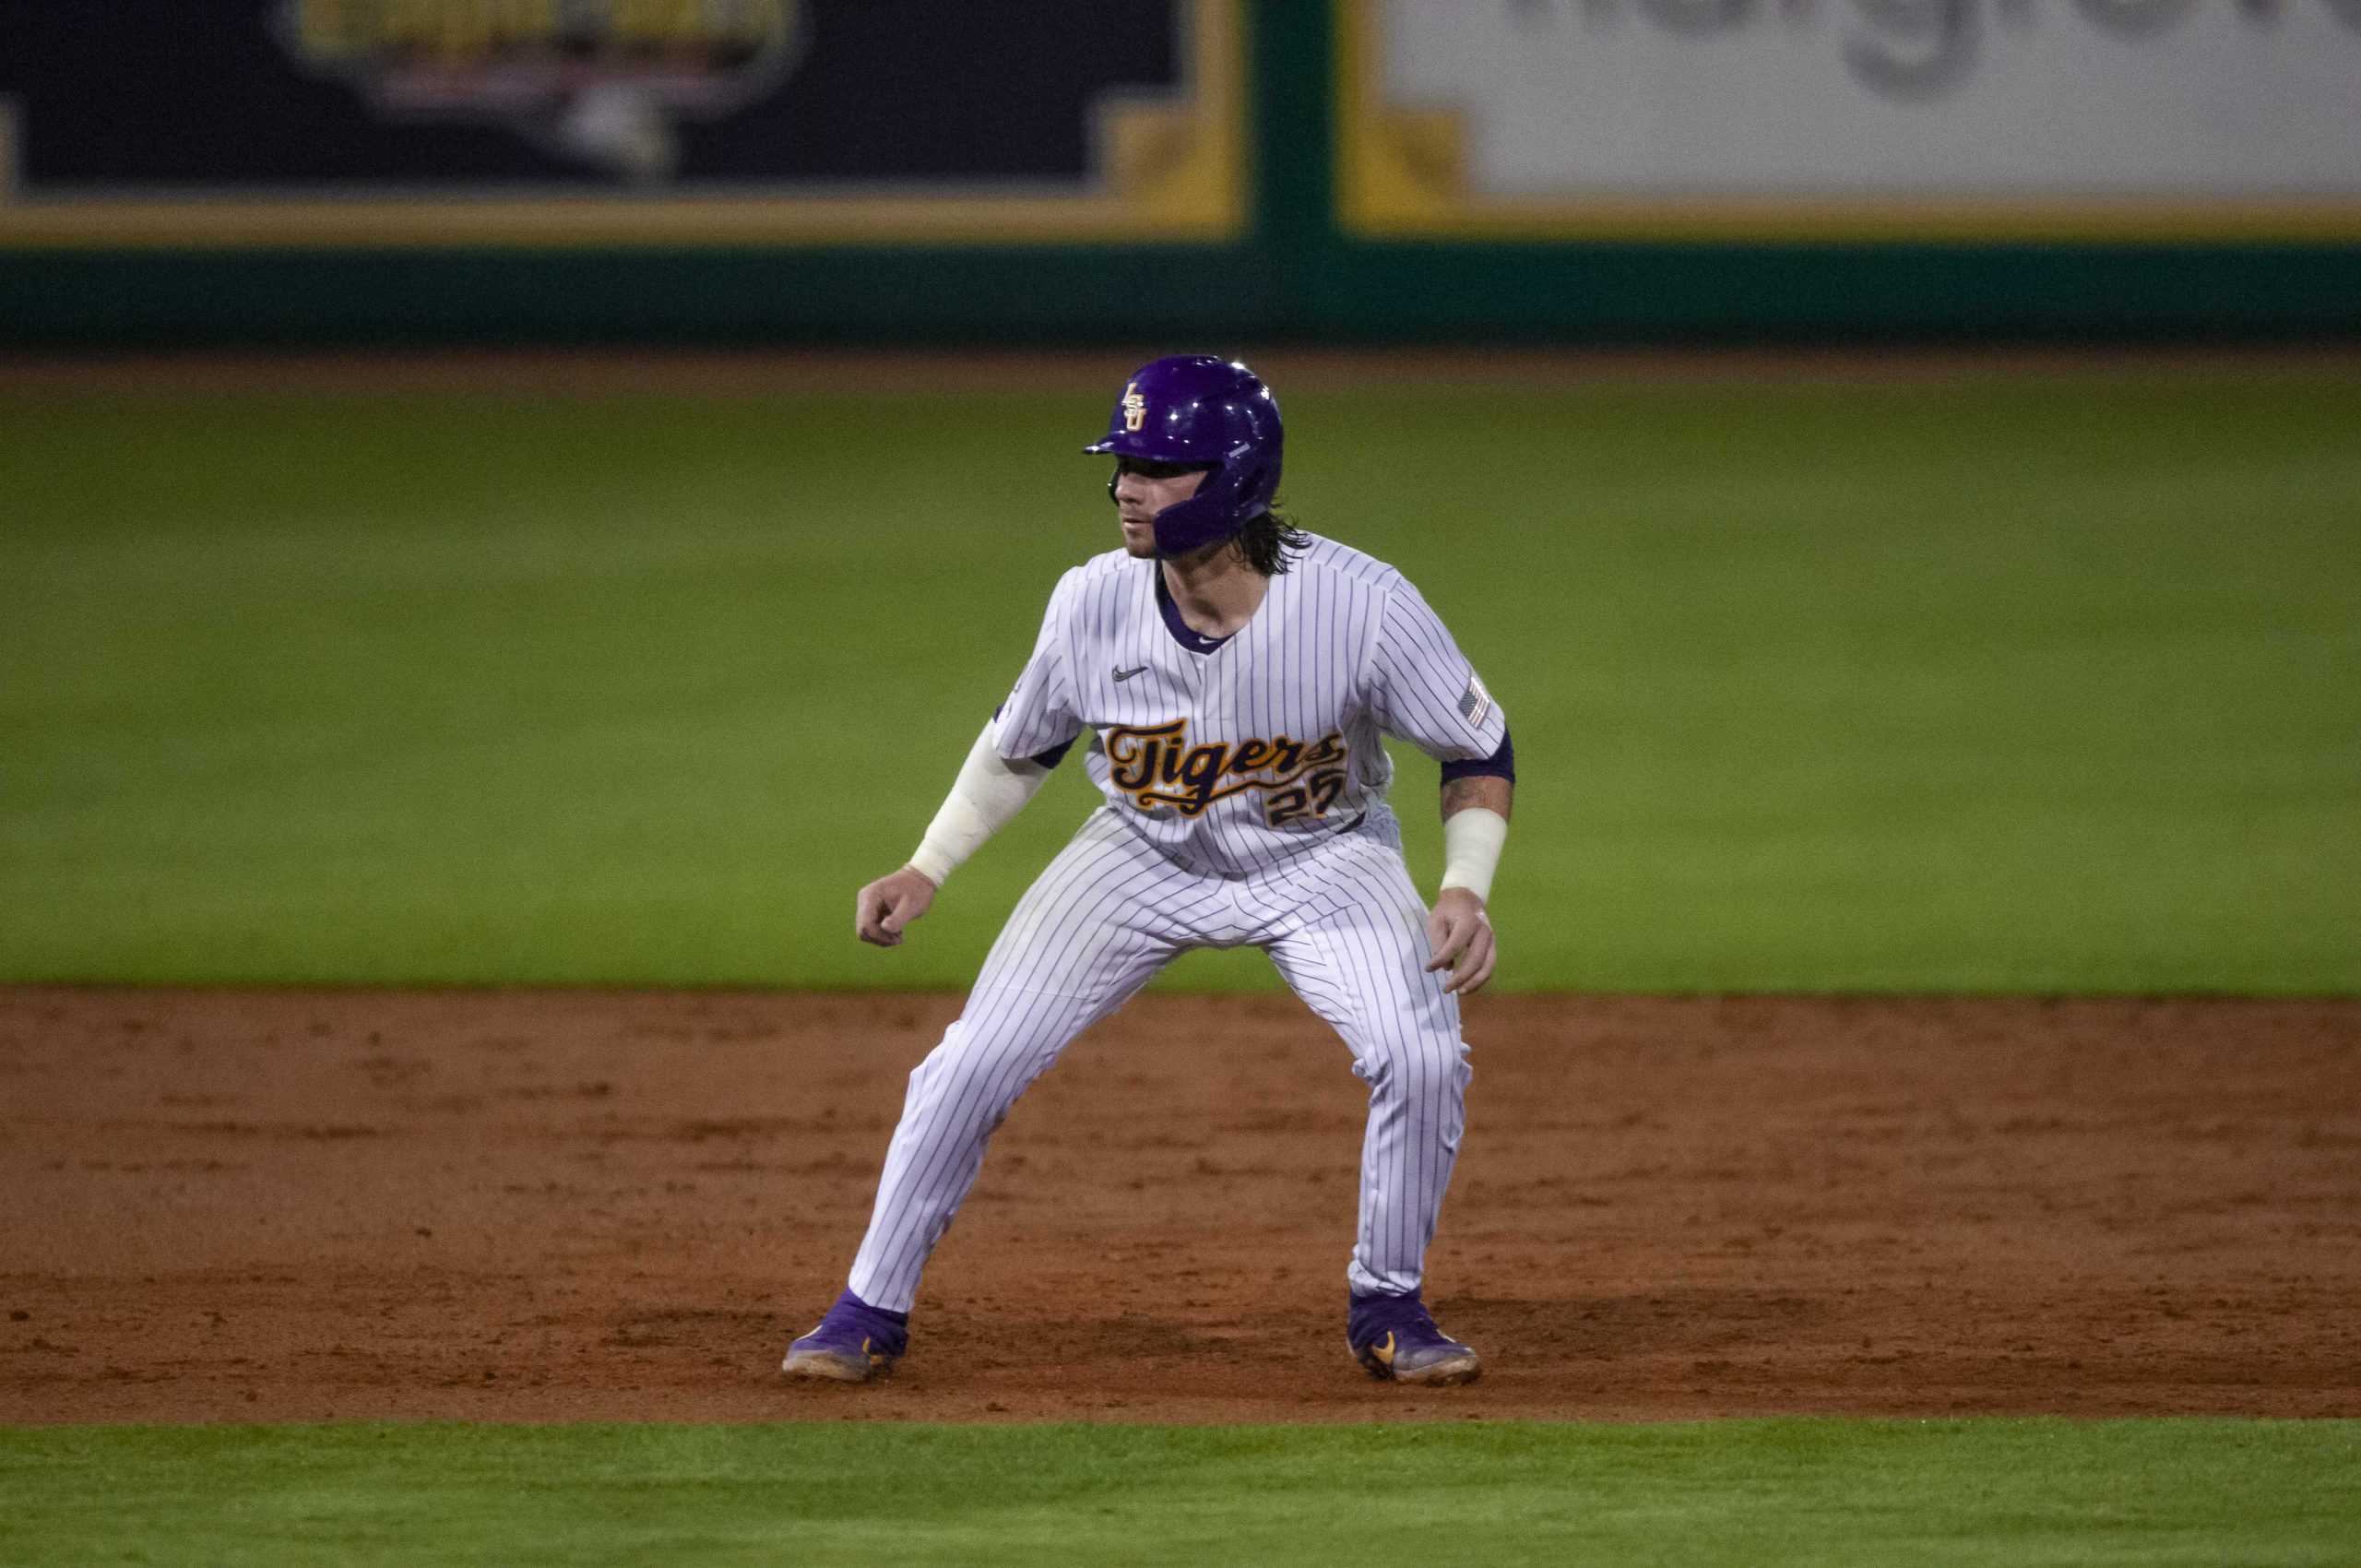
988	792
1471	848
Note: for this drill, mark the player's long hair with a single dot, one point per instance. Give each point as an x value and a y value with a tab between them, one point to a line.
1266	540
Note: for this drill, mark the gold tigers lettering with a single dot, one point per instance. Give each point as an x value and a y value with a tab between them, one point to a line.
1157	766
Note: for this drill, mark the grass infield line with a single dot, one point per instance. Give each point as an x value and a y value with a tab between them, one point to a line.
1698	1495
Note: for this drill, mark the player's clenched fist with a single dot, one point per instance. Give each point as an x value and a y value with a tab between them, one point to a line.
881	910
1461	938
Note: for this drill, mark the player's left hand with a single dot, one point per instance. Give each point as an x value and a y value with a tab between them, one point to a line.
1461	938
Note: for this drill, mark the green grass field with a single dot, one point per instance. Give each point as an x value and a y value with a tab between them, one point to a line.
1991	685
1879	1495
1994	683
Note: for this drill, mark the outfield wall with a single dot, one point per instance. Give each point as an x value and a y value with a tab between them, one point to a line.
361	171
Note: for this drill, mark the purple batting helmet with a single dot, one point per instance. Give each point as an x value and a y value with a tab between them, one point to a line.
1196	409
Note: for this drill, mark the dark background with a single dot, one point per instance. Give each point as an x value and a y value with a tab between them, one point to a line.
972	97
154	92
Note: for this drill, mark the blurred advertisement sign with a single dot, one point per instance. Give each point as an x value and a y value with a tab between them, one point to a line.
1820	119
603	82
449	122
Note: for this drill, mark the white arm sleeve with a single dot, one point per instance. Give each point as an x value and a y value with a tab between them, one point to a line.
988	793
1471	848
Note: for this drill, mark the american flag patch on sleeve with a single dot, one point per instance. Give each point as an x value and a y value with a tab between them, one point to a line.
1475	702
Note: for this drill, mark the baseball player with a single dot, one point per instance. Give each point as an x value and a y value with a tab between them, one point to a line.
1233	676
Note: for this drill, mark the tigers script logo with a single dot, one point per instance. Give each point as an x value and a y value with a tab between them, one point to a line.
1157	766
604	82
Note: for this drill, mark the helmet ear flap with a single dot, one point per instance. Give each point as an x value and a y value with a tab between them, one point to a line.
1255	489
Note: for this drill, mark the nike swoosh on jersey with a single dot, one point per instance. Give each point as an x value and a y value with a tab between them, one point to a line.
1127	674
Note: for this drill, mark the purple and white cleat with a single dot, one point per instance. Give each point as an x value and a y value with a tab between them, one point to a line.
855	1343
1394	1338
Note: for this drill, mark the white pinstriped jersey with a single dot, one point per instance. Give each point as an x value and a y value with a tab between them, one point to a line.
1229	755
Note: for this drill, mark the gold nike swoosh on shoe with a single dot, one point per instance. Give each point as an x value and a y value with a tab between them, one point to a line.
1385	1352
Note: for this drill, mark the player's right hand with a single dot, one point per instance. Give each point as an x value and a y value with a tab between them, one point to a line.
881	910
1460	935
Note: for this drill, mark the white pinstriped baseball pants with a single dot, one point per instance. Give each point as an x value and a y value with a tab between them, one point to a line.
1348	930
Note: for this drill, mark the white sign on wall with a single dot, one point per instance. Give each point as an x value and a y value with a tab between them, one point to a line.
2104	116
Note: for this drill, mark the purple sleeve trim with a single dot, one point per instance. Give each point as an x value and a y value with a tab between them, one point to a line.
1052	758
1501	763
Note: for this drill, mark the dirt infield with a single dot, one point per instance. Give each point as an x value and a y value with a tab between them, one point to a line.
580	1204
